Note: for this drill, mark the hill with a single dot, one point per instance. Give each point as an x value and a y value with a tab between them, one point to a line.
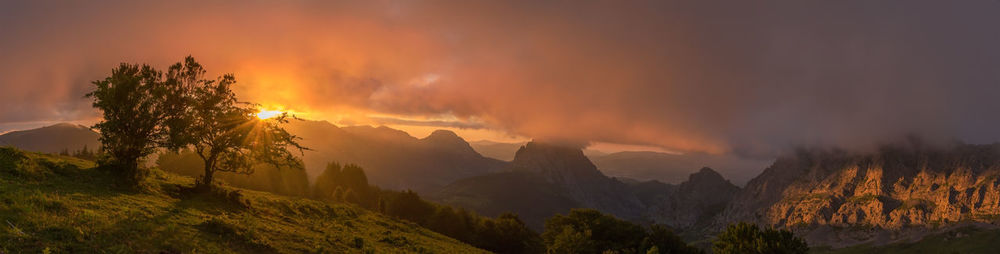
53	138
66	205
392	158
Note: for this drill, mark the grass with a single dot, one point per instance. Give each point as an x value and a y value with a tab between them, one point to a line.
56	204
965	240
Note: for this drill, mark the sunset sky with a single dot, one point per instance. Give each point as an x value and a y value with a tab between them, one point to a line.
745	77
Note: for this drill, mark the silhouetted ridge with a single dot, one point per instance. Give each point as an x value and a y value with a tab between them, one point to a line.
392	158
553	162
706	174
448	140
53	138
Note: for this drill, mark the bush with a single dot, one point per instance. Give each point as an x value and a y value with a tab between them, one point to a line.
744	238
590	231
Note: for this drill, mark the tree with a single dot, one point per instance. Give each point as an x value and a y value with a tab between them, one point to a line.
132	102
605	232
659	239
590	231
224	132
352	181
409	206
750	239
511	235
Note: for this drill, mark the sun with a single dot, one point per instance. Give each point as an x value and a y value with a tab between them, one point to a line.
266	114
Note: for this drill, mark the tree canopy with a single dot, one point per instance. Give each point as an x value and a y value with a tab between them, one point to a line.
223	131
590	231
144	110
745	238
134	102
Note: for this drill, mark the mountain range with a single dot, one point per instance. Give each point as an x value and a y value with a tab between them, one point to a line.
392	158
897	193
545	179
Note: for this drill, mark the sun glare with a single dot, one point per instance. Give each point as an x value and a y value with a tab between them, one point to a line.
266	114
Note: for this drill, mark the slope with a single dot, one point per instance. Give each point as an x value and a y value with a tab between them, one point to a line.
66	205
53	138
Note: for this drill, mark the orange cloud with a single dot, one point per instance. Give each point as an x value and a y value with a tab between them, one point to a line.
715	77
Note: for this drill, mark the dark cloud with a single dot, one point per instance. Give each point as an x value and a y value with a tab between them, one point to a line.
716	76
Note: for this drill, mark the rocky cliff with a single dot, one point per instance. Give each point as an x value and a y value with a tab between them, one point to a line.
896	187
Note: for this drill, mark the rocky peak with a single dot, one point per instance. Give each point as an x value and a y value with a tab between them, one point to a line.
448	140
708	184
706	175
693	203
570	171
553	161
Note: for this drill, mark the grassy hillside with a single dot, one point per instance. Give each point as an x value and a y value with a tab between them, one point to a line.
66	205
965	240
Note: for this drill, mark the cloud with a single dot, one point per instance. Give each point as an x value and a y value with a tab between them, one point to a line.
720	77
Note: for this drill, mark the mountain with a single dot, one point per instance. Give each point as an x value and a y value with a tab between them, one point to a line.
569	170
691	205
392	158
904	190
543	180
675	168
65	205
53	138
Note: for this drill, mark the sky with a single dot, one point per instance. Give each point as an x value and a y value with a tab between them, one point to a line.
752	78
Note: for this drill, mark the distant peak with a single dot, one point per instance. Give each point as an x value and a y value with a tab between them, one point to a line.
449	140
706	173
540	156
443	133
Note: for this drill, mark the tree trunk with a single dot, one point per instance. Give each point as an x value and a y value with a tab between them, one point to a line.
206	180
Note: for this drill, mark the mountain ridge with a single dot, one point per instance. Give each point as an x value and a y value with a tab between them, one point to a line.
53	138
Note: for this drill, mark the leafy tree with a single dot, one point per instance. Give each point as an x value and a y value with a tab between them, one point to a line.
407	205
224	132
568	240
590	231
132	101
352	182
511	235
747	238
605	232
660	239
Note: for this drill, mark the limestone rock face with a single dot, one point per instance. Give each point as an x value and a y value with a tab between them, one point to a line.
895	187
571	171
